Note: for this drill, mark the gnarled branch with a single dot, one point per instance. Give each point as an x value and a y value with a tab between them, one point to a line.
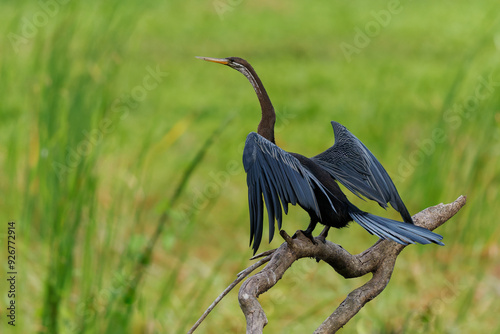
378	260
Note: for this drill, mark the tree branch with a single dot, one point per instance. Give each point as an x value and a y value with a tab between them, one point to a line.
240	277
379	260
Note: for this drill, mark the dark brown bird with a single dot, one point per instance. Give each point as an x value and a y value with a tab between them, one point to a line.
282	177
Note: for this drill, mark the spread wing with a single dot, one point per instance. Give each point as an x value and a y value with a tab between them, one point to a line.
279	177
352	164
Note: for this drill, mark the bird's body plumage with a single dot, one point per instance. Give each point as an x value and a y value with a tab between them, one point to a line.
277	178
283	178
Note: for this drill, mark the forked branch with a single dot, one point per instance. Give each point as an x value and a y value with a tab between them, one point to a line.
378	260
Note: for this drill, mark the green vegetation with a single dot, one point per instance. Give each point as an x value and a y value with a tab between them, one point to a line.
121	157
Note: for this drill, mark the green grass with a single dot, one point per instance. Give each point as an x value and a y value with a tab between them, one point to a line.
101	160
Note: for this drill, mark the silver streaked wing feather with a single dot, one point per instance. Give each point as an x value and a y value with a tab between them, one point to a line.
279	178
351	163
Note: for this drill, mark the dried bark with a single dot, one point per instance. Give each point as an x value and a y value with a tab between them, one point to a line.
379	260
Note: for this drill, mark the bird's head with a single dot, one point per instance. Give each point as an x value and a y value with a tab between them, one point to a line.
266	125
239	64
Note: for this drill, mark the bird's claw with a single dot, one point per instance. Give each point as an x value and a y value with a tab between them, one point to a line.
321	238
307	234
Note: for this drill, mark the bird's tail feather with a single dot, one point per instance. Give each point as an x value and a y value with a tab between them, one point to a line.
402	233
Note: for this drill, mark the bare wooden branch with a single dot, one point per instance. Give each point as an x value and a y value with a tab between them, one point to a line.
378	260
266	253
241	276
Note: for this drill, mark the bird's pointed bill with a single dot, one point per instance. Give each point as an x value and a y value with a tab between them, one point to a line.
222	61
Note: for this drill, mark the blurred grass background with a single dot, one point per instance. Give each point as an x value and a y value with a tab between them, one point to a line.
121	157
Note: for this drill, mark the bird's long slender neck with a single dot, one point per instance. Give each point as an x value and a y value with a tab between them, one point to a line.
266	125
